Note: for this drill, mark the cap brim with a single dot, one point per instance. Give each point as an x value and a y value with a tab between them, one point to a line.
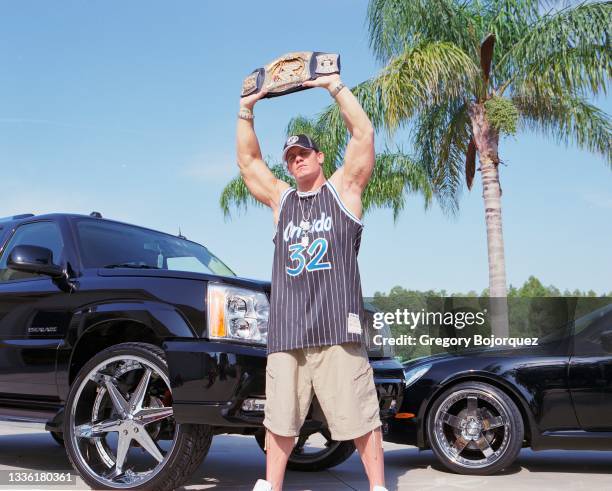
291	146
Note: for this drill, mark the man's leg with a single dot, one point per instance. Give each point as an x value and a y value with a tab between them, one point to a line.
371	453
344	385
288	396
278	449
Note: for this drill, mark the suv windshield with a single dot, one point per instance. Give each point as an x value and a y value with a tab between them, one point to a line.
113	245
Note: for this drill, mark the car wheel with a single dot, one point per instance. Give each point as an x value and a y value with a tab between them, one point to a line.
119	429
314	452
58	437
475	428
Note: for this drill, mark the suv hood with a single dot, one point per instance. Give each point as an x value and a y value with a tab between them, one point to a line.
252	284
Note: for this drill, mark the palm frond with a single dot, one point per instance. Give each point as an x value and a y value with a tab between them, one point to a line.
395	24
566	119
568	50
396	175
577	70
422	77
236	195
440	140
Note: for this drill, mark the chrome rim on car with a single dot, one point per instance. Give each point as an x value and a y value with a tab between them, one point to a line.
472	428
122	422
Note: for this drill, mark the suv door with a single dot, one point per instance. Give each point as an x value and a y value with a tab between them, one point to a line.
590	371
33	320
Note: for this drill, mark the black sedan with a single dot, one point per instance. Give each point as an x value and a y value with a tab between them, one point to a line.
478	408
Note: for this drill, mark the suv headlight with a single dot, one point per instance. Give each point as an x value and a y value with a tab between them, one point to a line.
411	375
237	313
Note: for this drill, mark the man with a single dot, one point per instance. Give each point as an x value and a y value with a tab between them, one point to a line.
315	343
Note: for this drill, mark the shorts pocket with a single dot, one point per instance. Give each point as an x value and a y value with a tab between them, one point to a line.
363	381
367	394
270	383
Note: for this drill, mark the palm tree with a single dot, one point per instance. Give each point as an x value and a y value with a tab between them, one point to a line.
461	73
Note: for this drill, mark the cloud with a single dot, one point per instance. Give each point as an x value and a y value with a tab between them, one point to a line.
598	200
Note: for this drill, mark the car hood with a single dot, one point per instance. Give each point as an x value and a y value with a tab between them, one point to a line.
252	284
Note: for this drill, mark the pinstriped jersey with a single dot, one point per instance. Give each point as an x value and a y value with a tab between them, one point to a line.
316	295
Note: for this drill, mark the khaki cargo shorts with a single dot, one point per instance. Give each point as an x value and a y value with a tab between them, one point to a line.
341	377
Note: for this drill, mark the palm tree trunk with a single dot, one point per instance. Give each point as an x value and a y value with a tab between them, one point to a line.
486	139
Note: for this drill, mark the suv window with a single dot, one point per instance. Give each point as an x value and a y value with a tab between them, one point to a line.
42	234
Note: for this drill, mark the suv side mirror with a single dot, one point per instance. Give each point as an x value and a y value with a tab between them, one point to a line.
34	259
606	341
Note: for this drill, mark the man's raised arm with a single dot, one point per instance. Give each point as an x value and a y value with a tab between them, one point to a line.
352	178
260	181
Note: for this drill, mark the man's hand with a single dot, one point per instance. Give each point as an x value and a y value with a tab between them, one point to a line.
250	100
327	81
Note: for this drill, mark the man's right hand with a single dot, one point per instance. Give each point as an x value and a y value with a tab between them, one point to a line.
250	100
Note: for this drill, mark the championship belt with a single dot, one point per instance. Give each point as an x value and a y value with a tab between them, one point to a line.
287	73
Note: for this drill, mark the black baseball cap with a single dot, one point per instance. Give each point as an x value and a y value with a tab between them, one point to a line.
300	140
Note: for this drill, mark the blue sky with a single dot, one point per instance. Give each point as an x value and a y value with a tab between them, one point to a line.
128	108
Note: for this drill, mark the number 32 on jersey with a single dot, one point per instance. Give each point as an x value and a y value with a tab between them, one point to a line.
310	258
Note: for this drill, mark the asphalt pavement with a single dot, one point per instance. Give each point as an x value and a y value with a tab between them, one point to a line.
236	462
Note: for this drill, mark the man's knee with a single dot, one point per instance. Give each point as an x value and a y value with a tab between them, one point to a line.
284	442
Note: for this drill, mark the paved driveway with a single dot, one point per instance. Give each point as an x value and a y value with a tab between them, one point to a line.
235	463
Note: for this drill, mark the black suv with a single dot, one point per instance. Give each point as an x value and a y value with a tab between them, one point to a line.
135	347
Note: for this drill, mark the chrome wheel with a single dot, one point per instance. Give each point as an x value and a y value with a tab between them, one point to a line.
122	428
473	428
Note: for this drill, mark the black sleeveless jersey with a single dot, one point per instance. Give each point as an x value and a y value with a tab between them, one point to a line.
316	295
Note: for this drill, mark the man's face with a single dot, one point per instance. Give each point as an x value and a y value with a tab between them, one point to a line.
303	162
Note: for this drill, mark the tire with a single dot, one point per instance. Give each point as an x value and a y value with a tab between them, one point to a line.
58	437
122	398
334	453
475	428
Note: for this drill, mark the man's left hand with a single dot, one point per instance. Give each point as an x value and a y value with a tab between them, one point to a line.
327	81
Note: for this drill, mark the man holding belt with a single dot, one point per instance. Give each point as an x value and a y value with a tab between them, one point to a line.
315	340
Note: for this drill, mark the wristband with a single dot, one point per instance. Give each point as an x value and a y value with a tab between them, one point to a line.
246	113
337	88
